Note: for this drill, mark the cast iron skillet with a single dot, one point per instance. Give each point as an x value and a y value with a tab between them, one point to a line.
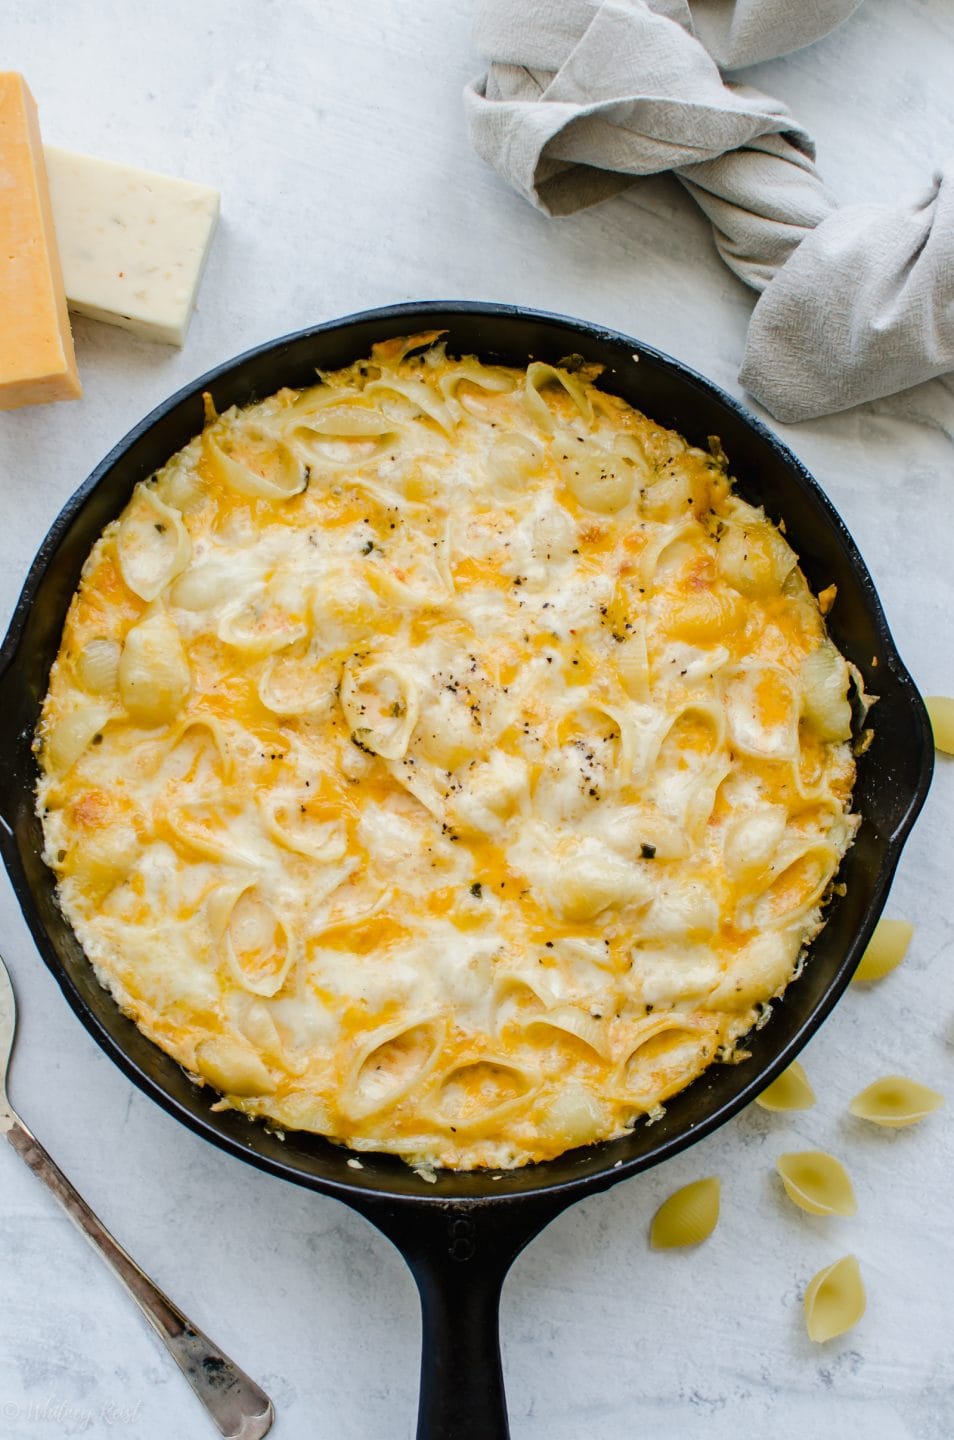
460	1235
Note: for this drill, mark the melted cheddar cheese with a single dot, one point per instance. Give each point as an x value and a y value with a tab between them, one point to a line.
445	759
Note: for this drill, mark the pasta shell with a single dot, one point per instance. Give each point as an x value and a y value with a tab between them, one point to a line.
512	460
380	703
571	1020
299	826
671	548
477	1097
447	733
480	376
632	662
754	558
599	480
752	839
762	707
573	1117
154	677
668	496
801	880
67	740
391	1062
346	443
290	685
269	620
203	828
762	966
198	749
824	687
835	1300
592	878
257	947
664	1061
105	857
941	710
886	949
688	1217
152	544
417	397
97	665
205	584
390	352
791	1091
354	421
895	1101
233	1067
540	374
817	1182
251	462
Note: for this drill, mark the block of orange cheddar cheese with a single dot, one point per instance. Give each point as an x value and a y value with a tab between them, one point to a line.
36	348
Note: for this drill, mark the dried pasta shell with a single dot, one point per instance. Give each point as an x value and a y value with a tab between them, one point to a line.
887	948
688	1217
895	1101
791	1091
835	1300
941	710
817	1182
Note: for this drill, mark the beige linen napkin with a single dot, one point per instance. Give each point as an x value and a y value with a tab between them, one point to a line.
584	95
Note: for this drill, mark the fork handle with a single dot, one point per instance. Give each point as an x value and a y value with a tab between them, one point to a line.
237	1406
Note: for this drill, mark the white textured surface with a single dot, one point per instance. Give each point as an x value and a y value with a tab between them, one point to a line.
335	135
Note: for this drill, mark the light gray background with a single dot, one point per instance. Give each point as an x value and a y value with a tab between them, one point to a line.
334	131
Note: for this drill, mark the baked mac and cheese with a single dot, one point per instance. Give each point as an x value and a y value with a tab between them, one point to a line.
444	759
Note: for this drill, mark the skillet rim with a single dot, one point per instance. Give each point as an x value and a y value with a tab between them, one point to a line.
359	1193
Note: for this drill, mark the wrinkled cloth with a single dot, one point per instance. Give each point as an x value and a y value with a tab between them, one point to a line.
582	96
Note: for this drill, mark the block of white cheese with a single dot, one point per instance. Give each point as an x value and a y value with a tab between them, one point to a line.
132	244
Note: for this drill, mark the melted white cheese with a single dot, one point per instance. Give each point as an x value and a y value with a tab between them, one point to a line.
447	789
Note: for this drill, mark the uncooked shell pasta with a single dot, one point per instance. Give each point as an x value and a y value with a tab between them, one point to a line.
791	1091
817	1182
688	1217
886	949
941	710
895	1101
835	1300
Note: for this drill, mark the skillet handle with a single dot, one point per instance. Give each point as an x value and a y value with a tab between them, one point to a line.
462	1385
459	1254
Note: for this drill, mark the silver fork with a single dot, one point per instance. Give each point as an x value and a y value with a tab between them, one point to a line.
237	1406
